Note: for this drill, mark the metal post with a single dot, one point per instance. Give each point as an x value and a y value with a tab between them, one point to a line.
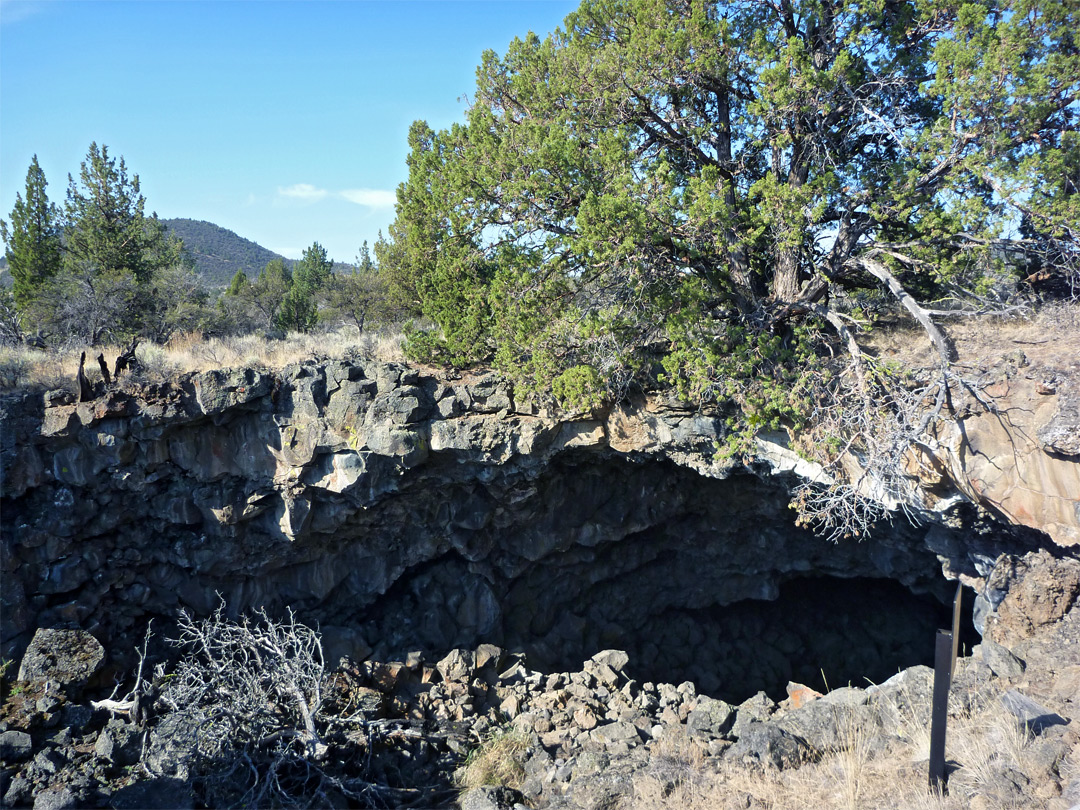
957	602
940	710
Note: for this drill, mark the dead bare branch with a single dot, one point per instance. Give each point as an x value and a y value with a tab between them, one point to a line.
131	702
882	273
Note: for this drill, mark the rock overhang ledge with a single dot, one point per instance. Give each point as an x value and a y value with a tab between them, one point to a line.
325	483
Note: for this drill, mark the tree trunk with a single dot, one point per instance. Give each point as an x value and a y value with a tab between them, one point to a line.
125	359
738	265
104	369
86	391
786	276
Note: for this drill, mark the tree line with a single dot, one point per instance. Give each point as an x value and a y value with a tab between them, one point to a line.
100	268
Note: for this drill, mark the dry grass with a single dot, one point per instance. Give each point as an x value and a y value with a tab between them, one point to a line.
988	744
25	367
852	760
28	368
191	353
676	767
984	744
496	761
1050	336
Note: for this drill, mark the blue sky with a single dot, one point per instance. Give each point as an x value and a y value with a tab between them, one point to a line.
285	122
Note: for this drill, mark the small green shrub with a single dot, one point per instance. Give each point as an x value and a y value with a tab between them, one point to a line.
579	388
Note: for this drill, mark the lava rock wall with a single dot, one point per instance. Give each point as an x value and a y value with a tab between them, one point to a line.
402	509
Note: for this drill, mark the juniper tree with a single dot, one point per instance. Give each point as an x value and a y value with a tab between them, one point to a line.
112	251
32	241
313	270
235	312
360	297
299	309
265	295
237	284
178	302
715	179
107	227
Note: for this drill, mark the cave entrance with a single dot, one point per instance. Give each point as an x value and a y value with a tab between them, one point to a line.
697	579
823	632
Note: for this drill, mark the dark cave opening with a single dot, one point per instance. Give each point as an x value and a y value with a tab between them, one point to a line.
697	579
823	632
820	631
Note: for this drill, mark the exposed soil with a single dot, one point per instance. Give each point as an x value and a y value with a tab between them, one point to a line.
1051	339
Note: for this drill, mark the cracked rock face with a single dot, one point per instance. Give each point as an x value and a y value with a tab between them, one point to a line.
402	510
1018	452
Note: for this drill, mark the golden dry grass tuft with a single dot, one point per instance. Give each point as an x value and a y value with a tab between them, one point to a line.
24	367
676	768
497	760
983	744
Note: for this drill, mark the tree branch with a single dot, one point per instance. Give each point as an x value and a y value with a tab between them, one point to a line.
882	273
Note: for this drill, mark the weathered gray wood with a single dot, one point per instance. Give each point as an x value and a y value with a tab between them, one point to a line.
104	368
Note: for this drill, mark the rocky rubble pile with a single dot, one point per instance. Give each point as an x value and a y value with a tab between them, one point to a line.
580	739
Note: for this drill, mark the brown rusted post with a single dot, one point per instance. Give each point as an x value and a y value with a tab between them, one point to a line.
940	710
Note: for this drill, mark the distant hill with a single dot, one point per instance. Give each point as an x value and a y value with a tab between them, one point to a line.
218	252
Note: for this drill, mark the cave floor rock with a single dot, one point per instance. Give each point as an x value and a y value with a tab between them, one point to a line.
422	731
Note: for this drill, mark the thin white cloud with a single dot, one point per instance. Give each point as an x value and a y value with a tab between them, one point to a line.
303	191
13	11
370	197
287	252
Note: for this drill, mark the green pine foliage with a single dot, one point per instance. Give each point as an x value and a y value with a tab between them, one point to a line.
113	255
313	270
32	240
299	310
267	293
107	228
102	268
359	296
238	283
712	177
